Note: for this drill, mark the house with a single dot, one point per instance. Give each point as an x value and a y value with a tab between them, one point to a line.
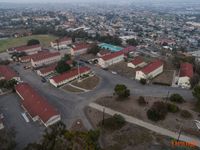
47	70
79	49
61	43
26	59
6	73
66	77
111	59
45	59
29	50
186	73
150	71
136	62
36	106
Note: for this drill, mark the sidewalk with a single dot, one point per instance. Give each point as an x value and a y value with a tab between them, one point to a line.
146	125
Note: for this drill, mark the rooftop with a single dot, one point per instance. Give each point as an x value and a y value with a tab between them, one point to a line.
186	70
7	72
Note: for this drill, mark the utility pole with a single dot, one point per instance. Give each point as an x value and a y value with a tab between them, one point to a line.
179	134
103	116
167	96
78	71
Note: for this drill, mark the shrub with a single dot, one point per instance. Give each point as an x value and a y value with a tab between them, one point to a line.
176	98
122	91
172	108
186	114
114	122
141	101
157	112
143	81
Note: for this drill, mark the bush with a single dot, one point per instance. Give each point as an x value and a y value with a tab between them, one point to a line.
122	91
176	98
115	122
186	114
172	108
141	101
157	112
143	81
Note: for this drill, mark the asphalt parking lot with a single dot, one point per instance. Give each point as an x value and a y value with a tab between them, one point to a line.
25	132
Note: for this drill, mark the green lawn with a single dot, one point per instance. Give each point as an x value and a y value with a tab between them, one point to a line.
12	42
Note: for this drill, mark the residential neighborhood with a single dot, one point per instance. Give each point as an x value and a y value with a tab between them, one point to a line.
100	75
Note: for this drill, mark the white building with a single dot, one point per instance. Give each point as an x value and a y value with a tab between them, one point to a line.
61	43
150	71
66	77
136	62
29	50
79	49
111	59
36	106
45	59
186	73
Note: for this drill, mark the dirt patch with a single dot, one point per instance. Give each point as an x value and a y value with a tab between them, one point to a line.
88	84
69	88
129	137
165	78
122	69
173	121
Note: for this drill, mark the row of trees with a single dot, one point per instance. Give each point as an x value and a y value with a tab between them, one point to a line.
57	137
8	84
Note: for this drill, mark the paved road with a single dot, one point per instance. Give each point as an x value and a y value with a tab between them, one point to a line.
146	125
71	105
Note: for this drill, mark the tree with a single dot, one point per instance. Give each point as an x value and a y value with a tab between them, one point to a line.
132	42
194	80
57	137
66	57
157	112
7	139
143	81
196	93
176	98
33	42
94	49
62	67
122	91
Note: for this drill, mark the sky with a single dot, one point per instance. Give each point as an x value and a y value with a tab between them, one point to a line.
62	1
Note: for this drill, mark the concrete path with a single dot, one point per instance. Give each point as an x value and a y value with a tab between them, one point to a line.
78	87
146	125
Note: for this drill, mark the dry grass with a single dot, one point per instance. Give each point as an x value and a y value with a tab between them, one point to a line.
69	88
88	84
166	78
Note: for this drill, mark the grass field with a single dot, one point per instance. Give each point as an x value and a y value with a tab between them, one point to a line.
12	42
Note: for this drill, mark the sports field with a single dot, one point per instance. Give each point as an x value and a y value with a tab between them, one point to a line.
12	42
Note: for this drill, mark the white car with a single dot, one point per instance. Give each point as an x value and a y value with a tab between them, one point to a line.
113	72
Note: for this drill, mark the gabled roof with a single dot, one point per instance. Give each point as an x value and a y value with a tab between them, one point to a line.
137	60
48	69
112	55
26	48
69	74
34	55
45	56
129	49
81	46
35	104
7	72
186	70
64	39
151	66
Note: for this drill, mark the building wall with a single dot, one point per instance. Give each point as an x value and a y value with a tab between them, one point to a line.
45	61
33	51
79	52
135	66
61	44
52	120
184	82
67	80
140	75
107	63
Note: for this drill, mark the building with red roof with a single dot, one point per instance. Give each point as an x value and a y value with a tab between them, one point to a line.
111	59
29	50
45	59
6	73
37	106
186	73
66	77
80	48
61	43
26	59
45	71
150	71
136	62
